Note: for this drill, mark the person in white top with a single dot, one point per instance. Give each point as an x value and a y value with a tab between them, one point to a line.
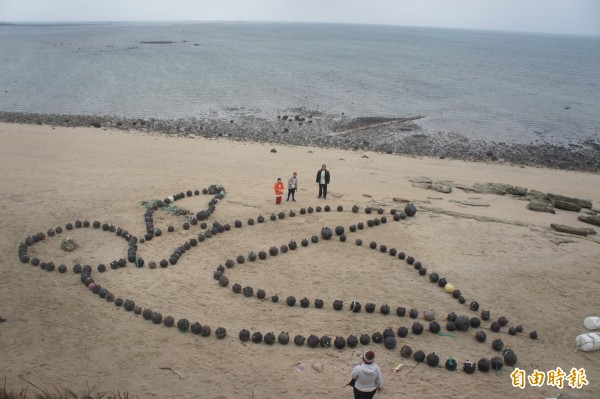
292	186
367	377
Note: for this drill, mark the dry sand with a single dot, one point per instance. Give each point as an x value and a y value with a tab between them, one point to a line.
59	335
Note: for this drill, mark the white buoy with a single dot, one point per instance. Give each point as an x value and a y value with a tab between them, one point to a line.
592	323
588	342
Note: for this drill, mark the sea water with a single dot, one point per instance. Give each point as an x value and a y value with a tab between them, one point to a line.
510	87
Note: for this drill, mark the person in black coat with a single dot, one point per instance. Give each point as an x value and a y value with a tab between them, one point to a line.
323	181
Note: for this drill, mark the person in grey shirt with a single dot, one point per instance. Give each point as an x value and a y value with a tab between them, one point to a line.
292	186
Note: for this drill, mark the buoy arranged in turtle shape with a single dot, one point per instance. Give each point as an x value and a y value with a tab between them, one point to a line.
387	338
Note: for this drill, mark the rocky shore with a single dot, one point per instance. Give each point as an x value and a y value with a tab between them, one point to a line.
401	136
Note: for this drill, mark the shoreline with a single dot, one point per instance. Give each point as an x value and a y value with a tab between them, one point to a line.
395	136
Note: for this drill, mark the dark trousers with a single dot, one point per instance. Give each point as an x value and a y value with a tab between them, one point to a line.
292	192
364	395
322	190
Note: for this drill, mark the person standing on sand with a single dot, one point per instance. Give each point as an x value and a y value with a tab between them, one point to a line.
323	180
367	377
292	186
278	190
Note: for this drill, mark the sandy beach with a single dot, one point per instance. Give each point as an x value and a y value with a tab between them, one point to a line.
59	335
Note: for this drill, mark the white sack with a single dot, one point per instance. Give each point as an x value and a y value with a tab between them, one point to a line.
588	342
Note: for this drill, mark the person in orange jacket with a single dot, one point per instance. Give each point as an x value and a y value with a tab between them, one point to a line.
278	190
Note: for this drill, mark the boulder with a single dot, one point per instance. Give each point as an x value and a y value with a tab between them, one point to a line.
540	207
572	230
69	245
581	202
591	219
441	187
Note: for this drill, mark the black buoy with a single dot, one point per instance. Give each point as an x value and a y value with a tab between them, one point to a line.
410	210
283	338
451	364
377	337
402	332
325	341
434	327
510	359
497	363
183	325
484	365
352	341
244	335
417	328
299	340
304	302
338	304
495	327
419	356
205	331
312	341
433	360
480	336
389	342
257	337
497	345
169	321
364	339
221	332
469	367
196	328
406	351
339	342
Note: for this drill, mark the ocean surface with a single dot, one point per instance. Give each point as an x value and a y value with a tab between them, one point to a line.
511	87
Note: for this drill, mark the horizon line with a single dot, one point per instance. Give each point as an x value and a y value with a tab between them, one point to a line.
109	22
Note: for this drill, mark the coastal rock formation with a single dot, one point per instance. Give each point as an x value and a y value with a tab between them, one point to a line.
566	205
580	231
499	188
591	219
429	184
538	196
581	202
540	207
